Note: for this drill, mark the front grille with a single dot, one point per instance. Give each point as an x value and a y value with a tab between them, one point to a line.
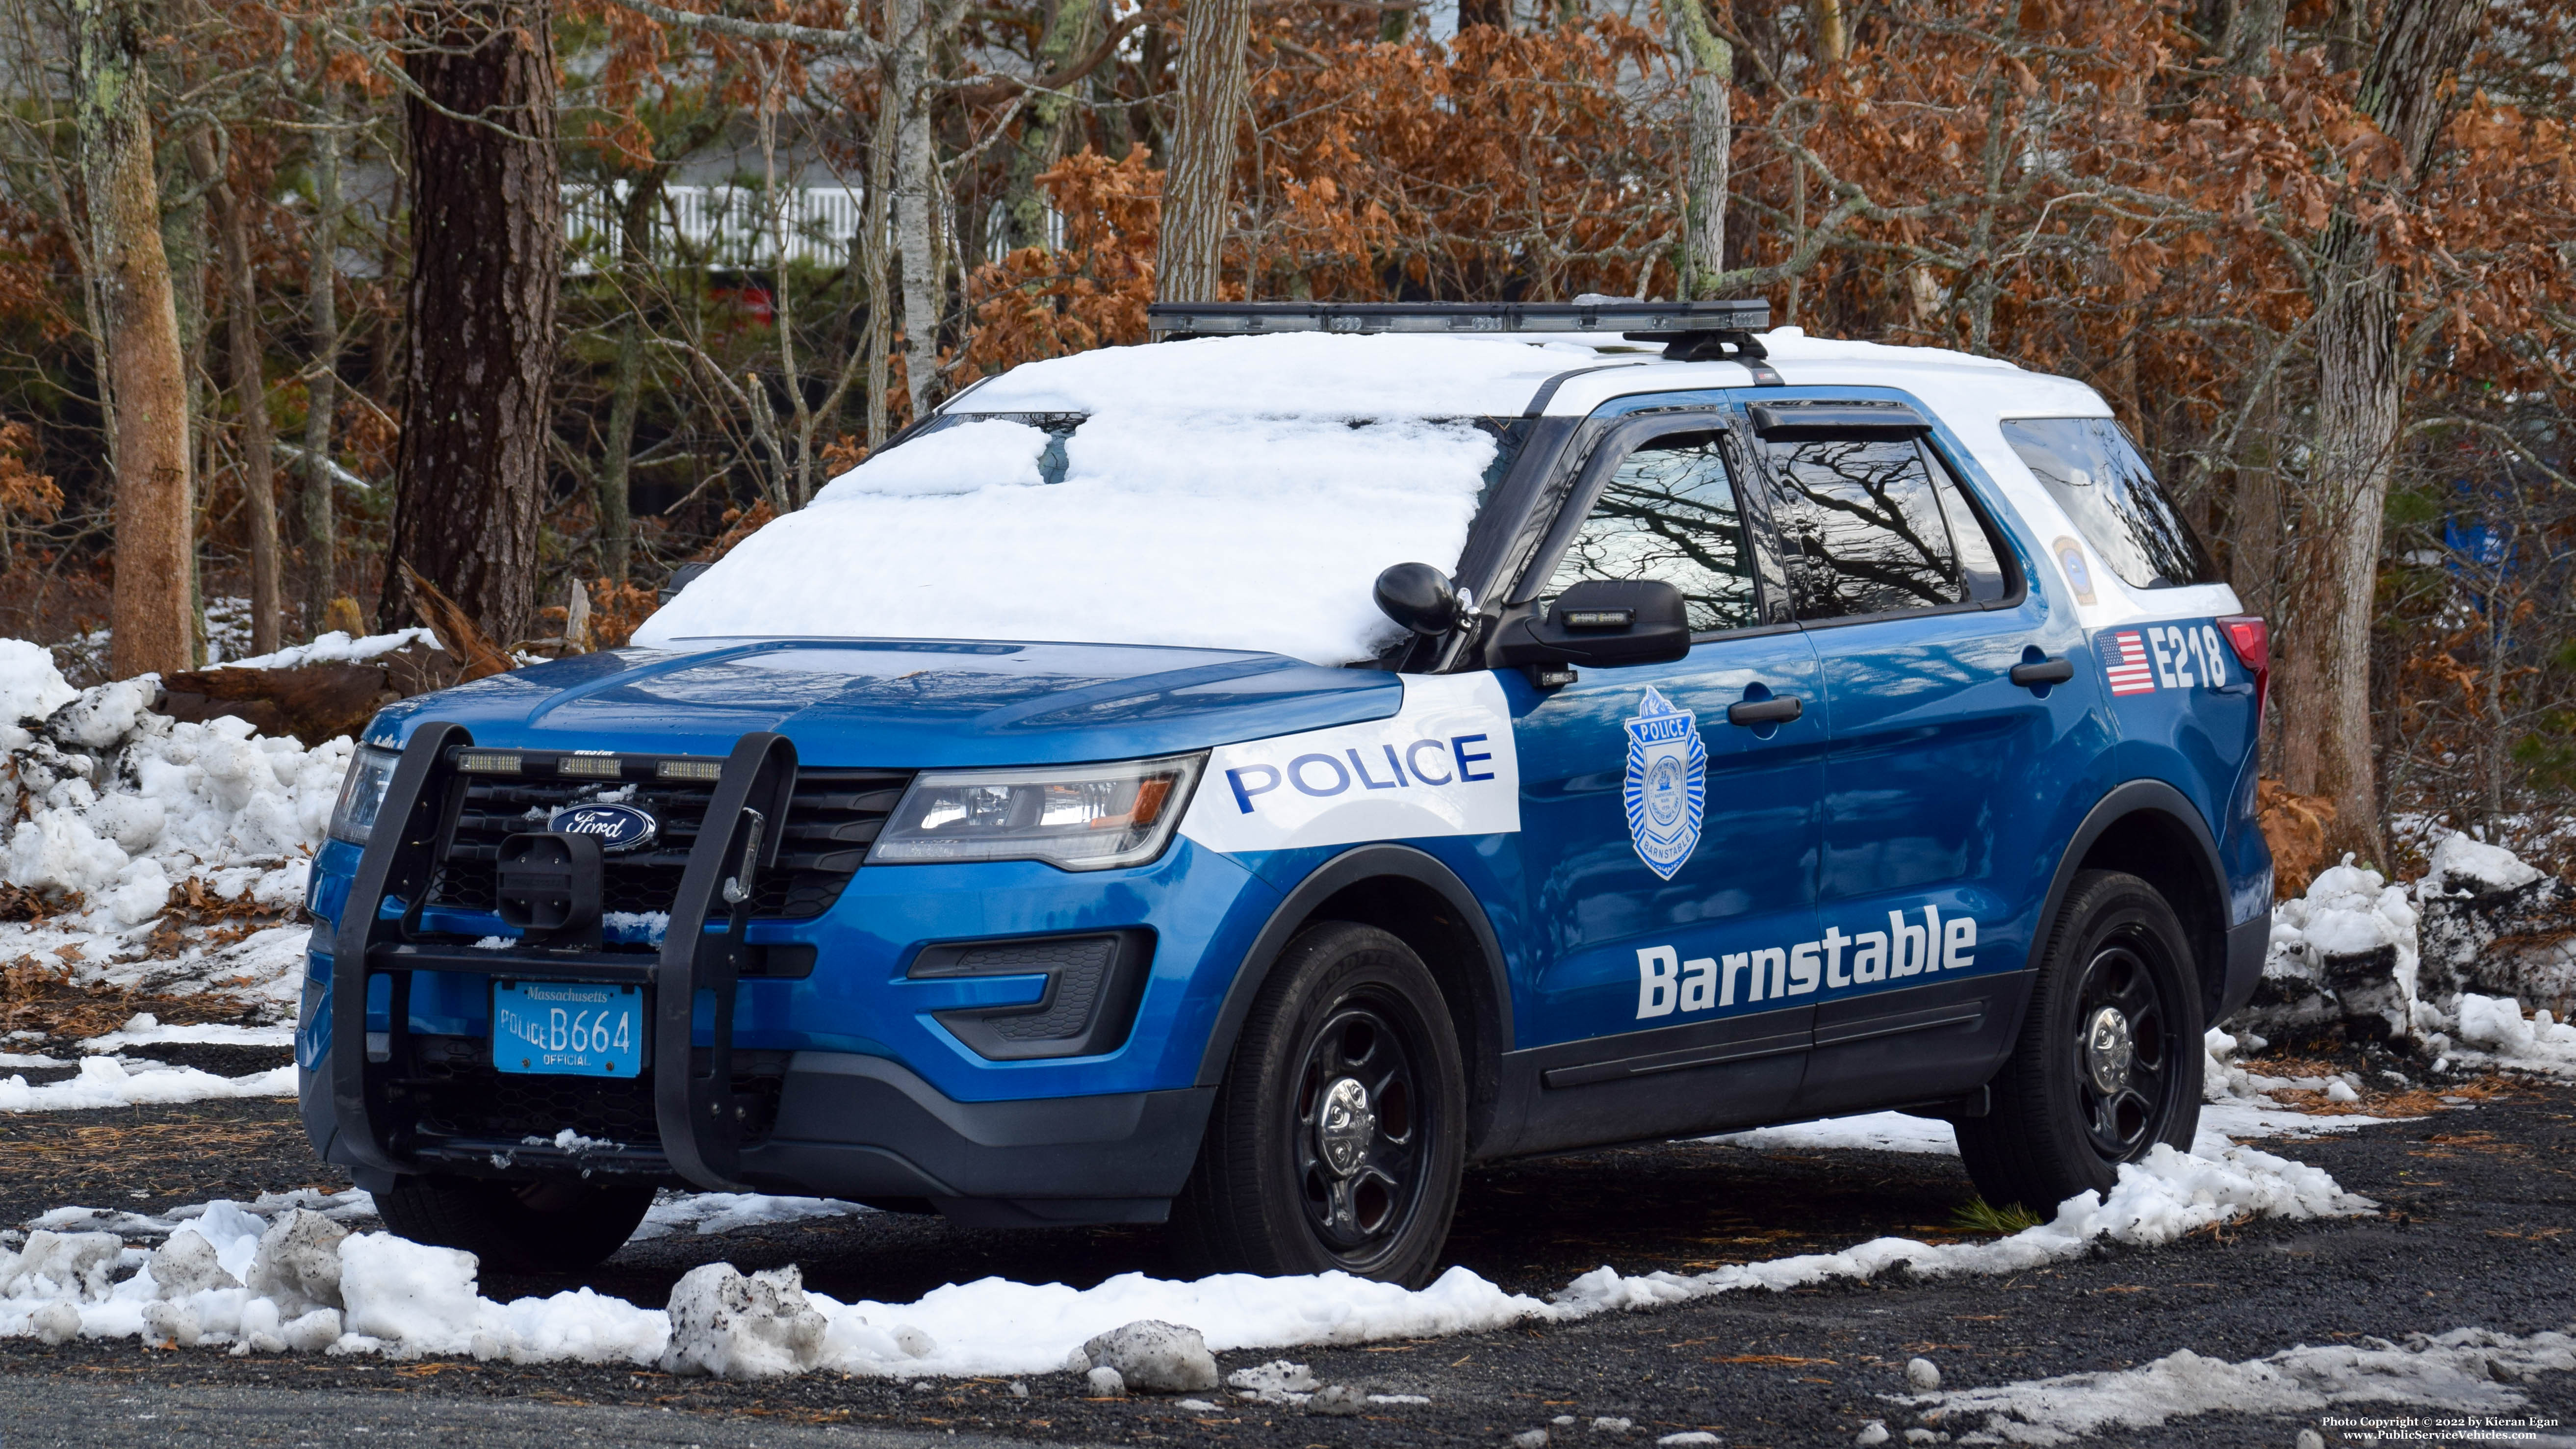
834	818
460	1094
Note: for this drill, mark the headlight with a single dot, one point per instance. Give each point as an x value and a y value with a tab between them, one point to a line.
362	794
1074	817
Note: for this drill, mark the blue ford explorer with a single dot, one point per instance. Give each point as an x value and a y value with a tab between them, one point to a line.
1766	728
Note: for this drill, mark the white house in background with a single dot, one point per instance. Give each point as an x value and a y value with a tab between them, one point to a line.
736	228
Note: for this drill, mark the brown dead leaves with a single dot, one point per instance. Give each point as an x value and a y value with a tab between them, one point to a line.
2294	826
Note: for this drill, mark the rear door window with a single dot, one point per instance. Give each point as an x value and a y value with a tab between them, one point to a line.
2088	466
1861	521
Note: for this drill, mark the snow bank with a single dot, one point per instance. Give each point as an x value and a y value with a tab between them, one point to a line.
2155	1201
121	804
2342	955
394	1297
336	647
117	806
108	1082
2350	954
1233	493
2467	1370
2493	1029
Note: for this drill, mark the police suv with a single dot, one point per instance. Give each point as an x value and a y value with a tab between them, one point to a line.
1243	780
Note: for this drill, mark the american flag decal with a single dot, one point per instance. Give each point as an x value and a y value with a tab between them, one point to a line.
2127	665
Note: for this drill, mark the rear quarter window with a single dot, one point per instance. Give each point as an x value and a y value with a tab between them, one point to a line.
2089	467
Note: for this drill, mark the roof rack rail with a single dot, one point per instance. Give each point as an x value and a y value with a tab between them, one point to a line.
1174	320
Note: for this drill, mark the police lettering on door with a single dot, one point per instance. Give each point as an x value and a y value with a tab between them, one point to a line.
1667	984
1442	764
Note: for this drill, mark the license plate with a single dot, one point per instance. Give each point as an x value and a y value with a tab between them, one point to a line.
573	1028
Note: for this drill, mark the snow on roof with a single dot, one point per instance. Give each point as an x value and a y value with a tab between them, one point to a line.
1305	374
1223	492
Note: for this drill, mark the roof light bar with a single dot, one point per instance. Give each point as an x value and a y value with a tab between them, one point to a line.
1604	315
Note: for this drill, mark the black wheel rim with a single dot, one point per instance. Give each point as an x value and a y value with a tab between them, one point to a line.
1362	1131
2125	1054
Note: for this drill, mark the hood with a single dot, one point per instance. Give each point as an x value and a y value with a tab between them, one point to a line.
905	703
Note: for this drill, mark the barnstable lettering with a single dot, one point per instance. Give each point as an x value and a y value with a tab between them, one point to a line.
1666	983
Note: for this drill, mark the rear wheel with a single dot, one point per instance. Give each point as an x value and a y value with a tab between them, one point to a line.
518	1227
2109	1062
1338	1135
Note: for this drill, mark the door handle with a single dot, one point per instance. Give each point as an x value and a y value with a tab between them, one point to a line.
1779	709
2043	671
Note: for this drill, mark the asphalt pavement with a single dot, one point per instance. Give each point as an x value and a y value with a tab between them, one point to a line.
2477	1228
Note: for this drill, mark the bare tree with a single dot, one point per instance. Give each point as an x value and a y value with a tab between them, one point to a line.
146	378
2361	367
250	394
1198	190
321	377
479	345
1710	64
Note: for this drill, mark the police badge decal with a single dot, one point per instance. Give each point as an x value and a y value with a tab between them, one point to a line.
1667	783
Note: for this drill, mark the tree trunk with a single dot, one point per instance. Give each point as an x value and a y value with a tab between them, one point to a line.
1198	189
916	179
1710	63
2361	394
145	372
2254	31
250	393
635	256
321	388
1042	134
875	254
1472	13
479	344
1832	41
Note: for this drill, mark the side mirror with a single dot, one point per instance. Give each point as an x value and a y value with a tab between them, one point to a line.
1419	597
1605	623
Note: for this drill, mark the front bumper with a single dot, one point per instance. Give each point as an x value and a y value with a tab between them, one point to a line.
869	1129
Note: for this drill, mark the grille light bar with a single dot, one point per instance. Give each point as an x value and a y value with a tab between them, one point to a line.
1606	315
596	767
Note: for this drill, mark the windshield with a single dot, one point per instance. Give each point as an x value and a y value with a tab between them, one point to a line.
1198	528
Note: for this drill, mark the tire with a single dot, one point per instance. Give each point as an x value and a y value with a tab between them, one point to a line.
517	1227
1339	1133
2065	1111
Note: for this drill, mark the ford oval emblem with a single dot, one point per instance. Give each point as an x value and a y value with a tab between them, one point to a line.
617	828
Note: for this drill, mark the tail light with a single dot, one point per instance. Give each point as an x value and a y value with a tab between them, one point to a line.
2252	640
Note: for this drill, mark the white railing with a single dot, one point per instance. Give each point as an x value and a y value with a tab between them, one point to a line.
721	227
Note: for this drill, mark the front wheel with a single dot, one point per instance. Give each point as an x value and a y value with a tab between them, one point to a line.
2109	1061
1338	1136
519	1227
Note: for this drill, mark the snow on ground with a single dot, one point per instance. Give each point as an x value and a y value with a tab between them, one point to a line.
120	1082
263	1276
2464	1371
706	1213
144	1029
